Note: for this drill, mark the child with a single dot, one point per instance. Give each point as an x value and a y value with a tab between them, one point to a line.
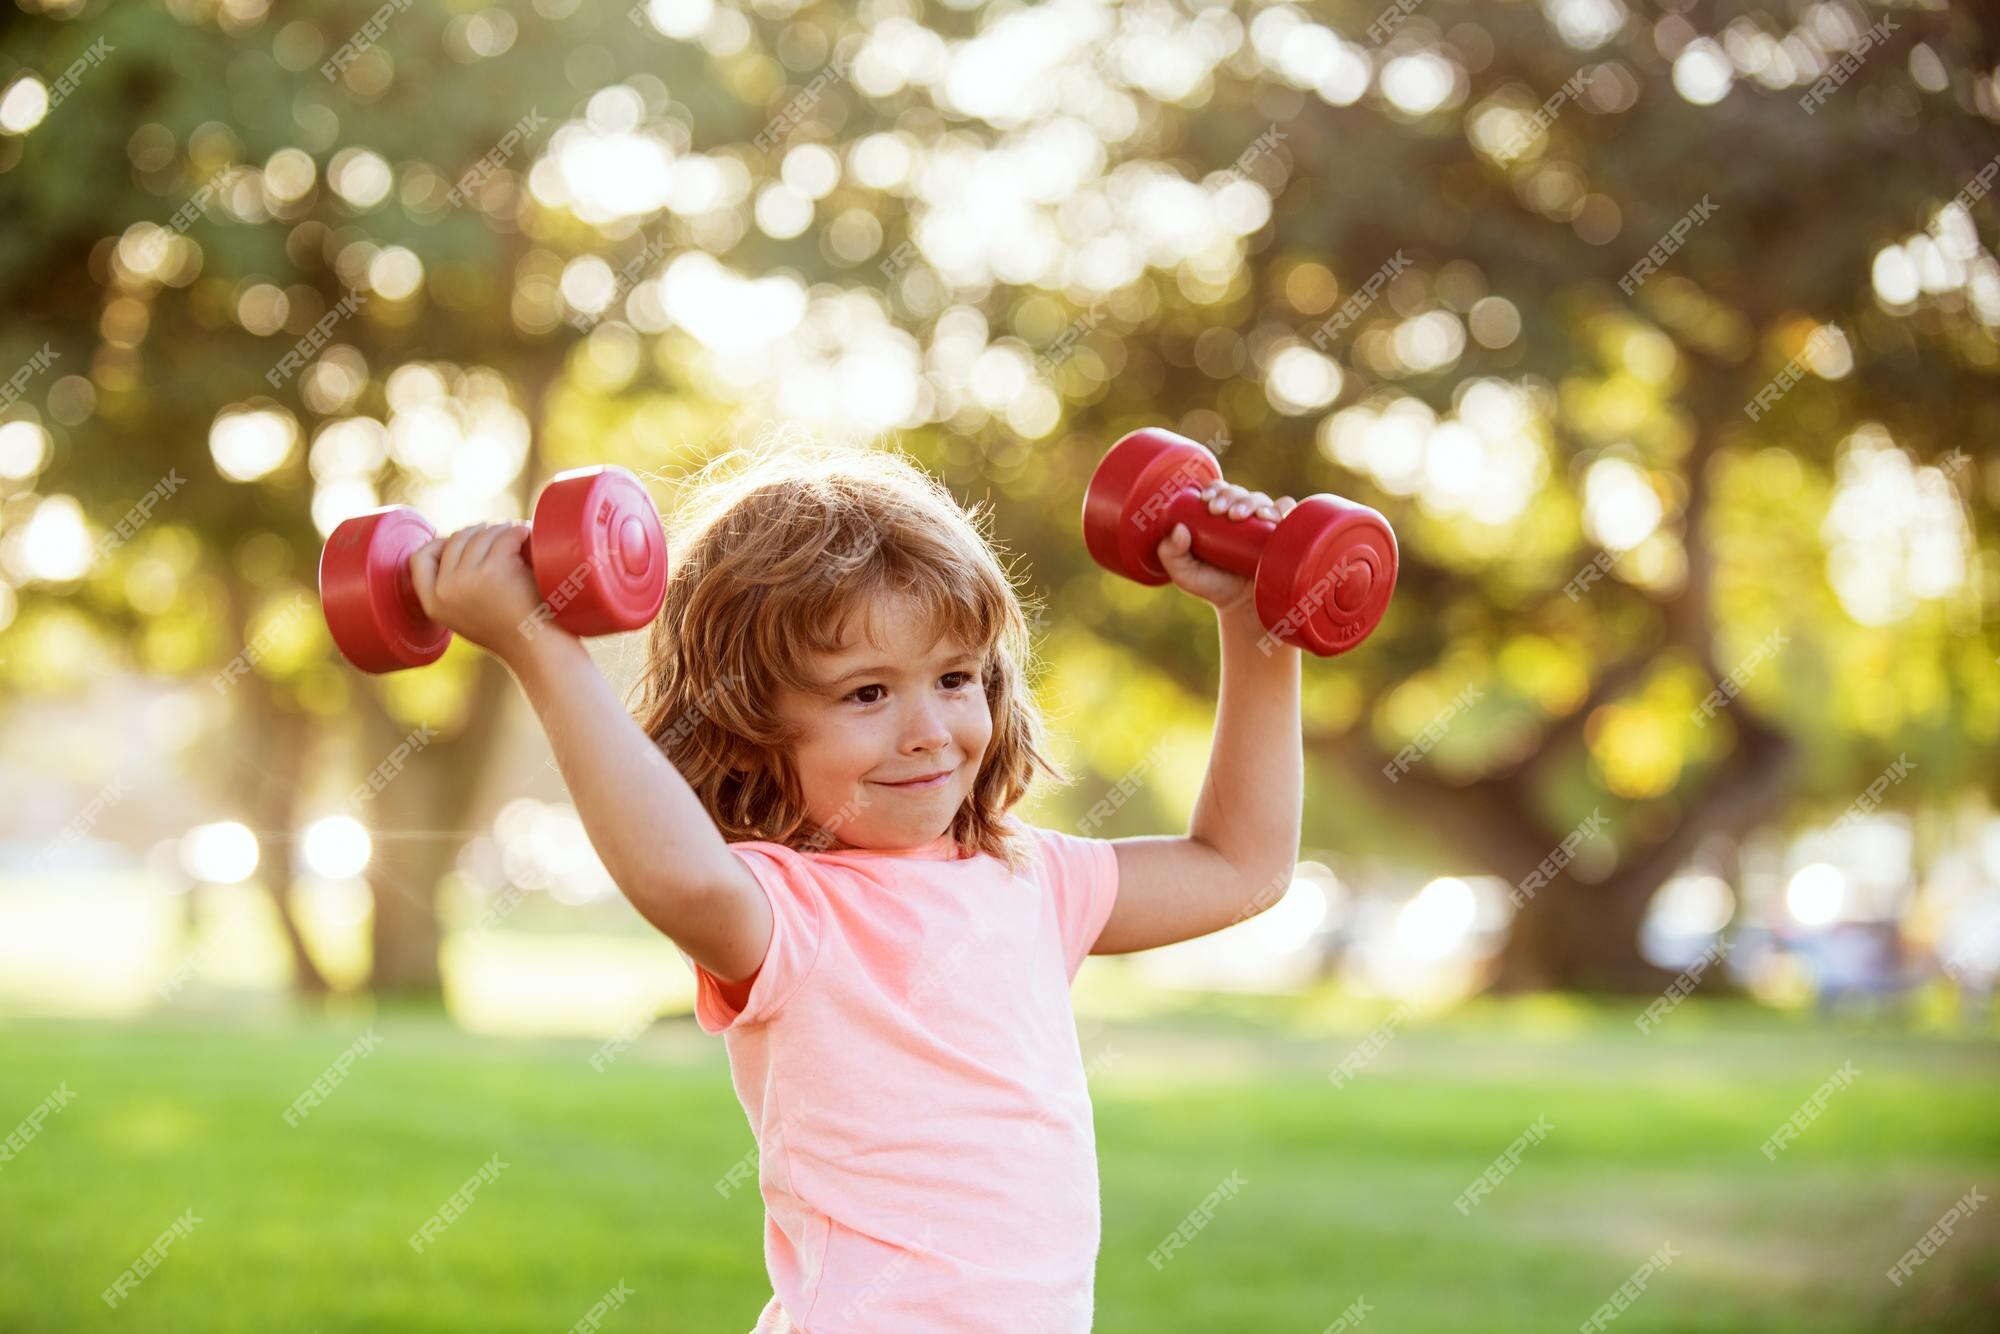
815	808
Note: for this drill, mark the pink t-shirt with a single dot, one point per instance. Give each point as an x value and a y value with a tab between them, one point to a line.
909	1063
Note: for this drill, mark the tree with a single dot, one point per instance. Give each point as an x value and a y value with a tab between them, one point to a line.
1362	259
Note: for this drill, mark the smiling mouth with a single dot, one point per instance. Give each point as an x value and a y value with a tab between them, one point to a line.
935	780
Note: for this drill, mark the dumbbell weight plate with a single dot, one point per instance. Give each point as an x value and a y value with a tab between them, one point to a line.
364	588
1125	507
1326	575
599	554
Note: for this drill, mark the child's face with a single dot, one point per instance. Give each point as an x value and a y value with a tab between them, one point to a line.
891	709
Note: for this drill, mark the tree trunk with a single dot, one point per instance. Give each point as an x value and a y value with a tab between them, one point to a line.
274	805
419	819
1573	934
1587	936
1578	937
412	854
265	771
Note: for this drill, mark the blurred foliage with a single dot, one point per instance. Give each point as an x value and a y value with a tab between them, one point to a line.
1182	195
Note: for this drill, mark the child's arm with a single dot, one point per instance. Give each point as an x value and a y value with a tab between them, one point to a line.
1243	840
649	828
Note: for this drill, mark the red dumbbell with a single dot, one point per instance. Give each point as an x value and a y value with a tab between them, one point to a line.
1322	574
599	555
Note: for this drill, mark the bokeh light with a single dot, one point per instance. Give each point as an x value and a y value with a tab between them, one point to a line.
222	853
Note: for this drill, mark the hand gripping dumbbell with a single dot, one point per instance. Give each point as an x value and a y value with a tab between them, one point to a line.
599	556
1322	575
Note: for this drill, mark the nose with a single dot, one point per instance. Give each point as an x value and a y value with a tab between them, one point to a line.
924	730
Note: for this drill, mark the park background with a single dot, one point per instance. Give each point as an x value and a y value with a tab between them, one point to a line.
1665	335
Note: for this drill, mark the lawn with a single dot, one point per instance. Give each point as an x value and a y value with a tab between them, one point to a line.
1347	1192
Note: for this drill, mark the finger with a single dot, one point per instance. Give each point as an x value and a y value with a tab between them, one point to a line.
454	549
1286	505
450	547
1240	506
476	547
510	544
481	548
515	540
424	572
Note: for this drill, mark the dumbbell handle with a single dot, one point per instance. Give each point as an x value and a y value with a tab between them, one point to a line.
1235	545
406	583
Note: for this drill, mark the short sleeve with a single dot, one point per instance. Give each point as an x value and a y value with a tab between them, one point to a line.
1082	878
798	913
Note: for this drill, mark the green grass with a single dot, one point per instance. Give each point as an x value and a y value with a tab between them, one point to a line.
611	1176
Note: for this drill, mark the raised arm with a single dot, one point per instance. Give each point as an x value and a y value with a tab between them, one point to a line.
650	830
1242	843
648	826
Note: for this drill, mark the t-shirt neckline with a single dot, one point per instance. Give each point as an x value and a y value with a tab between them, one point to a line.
940	849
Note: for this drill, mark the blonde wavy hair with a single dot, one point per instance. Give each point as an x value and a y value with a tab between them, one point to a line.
769	553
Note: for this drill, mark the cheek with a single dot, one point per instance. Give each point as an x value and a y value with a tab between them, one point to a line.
977	733
861	746
849	749
829	750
